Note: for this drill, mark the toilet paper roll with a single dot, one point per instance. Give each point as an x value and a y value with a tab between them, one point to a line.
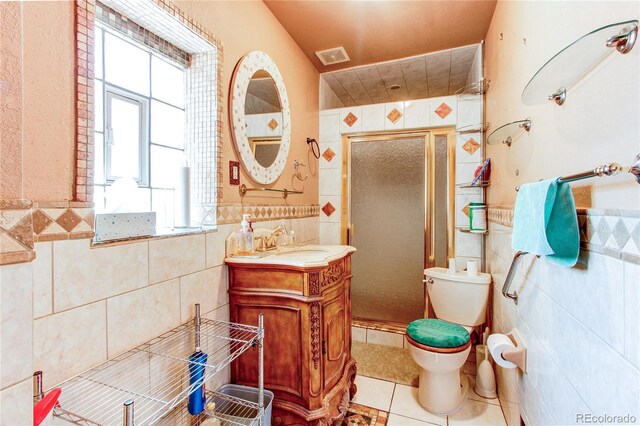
452	265
472	268
498	343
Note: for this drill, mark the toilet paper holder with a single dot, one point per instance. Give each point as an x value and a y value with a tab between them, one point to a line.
516	355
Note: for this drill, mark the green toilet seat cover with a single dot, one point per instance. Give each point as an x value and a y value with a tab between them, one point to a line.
437	333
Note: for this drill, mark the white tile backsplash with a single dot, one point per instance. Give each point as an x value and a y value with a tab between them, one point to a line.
17	404
330	127
138	316
469	111
329	233
71	342
16	329
82	274
632	313
43	280
373	117
330	182
167	258
580	327
416	114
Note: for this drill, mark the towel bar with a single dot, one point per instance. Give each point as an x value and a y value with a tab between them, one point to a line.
610	169
507	282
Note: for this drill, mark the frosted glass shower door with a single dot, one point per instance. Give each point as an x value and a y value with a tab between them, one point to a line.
387	211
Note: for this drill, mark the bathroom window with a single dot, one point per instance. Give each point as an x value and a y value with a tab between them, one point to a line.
139	127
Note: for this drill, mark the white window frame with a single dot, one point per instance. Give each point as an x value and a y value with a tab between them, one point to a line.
142	102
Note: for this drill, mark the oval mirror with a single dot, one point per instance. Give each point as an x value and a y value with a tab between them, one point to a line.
260	117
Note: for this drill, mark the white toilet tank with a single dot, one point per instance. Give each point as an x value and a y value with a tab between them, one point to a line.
458	297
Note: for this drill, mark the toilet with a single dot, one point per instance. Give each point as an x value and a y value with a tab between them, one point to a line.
440	346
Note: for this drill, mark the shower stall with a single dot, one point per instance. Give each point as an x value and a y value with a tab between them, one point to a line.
399	218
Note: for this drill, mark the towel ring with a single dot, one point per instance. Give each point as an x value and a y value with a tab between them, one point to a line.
315	148
296	172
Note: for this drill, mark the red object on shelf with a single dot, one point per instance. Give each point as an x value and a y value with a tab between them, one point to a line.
42	409
487	172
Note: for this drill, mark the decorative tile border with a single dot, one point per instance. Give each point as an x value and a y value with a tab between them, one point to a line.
232	213
54	221
16	236
614	233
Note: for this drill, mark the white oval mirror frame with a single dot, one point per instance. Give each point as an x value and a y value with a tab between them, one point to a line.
245	69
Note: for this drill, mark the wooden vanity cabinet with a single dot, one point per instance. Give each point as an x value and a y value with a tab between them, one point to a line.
307	344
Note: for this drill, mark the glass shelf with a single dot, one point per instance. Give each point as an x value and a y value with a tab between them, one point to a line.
473	128
576	60
506	134
482	184
468	231
480	87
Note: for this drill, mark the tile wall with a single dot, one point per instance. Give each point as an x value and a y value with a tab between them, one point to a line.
581	325
450	111
91	304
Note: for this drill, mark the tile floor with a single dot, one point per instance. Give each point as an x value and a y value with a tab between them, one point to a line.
398	403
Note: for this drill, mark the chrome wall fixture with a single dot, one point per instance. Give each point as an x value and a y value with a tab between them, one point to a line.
243	189
609	169
622	42
577	60
296	170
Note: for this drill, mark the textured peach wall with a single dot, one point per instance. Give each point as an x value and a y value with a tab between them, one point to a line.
11	101
243	26
600	121
49	118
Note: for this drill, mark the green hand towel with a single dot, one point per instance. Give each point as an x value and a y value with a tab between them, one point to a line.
545	222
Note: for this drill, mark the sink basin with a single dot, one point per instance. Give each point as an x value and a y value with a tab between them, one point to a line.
311	255
303	252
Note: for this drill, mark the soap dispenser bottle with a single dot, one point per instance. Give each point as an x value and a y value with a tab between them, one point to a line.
245	237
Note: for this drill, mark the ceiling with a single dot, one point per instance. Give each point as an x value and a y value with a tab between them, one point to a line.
378	31
424	76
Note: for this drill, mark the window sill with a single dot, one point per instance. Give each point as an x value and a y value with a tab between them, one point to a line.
161	233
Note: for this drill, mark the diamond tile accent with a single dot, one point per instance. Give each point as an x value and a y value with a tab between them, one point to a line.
471	146
443	110
394	115
68	220
328	209
603	231
40	221
621	234
328	154
273	124
350	119
465	210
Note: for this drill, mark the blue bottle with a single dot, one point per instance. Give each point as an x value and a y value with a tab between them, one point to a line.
197	365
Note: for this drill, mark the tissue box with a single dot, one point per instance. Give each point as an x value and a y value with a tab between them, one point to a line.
118	226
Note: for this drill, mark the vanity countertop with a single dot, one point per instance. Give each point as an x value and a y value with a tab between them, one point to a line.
301	256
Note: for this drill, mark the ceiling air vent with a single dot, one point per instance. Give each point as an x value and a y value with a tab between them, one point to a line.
333	56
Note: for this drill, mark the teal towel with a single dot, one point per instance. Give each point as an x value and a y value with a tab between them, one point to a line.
545	222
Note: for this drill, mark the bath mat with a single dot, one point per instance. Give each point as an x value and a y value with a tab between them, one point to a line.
359	415
385	363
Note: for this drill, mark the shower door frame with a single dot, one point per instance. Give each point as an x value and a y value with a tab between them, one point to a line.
429	188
